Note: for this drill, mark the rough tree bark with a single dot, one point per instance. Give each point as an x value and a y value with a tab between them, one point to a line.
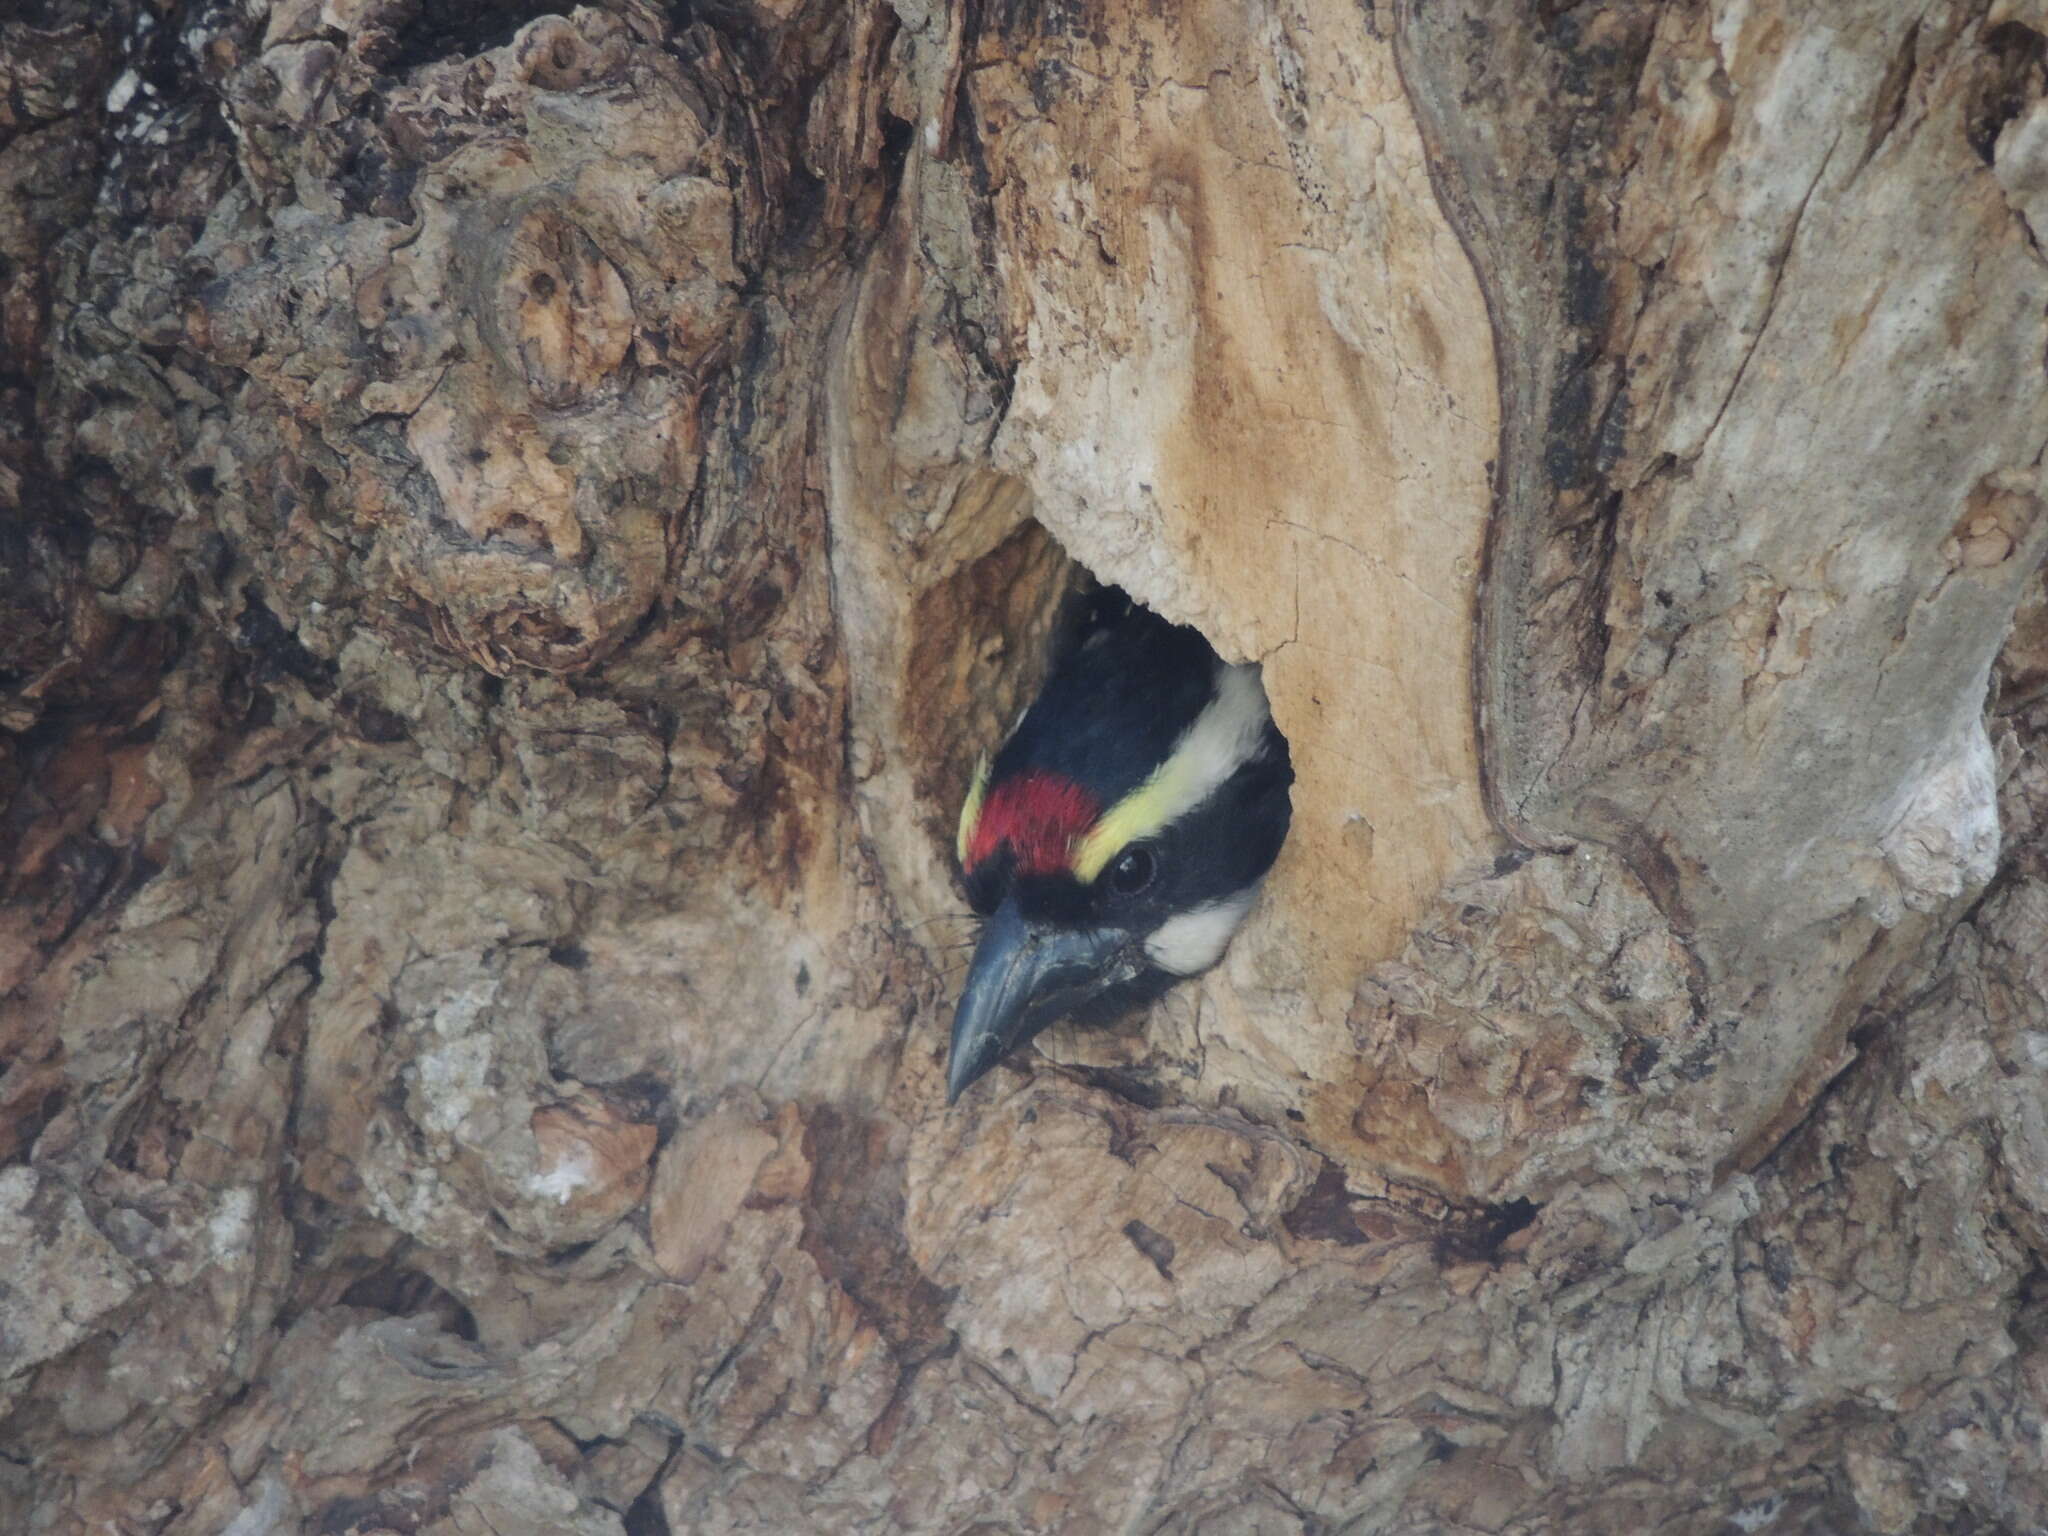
517	525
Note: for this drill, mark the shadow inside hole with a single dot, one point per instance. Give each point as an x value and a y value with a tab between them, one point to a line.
405	1292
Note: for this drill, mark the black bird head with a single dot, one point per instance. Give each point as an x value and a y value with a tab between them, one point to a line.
1119	836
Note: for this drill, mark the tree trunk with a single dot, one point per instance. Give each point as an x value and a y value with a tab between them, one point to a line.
520	525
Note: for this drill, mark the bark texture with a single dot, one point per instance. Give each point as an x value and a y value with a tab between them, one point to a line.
517	525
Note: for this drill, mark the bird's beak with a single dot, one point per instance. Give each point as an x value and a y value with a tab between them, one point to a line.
1023	977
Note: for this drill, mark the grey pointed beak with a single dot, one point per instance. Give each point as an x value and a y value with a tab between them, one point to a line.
1024	976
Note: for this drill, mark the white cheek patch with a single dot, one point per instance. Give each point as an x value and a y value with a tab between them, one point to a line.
1194	941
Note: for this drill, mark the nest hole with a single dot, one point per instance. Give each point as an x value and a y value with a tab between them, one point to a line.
984	639
405	1292
462	29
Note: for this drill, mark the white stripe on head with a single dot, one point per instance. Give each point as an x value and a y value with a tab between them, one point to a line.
1222	740
1194	940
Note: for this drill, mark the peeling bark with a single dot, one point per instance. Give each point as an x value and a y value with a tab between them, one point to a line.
517	526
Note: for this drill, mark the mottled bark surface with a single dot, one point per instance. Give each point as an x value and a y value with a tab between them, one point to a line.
515	525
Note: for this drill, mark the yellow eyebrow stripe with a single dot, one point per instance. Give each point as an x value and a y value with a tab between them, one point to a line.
970	810
1144	811
1224	737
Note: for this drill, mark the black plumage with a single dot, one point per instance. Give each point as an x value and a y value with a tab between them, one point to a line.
1125	690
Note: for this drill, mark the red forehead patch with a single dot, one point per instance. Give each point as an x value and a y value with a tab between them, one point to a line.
1040	815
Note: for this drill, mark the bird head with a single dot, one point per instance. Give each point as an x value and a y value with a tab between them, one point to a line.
1118	837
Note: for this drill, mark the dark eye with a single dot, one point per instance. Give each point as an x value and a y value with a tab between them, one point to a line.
1132	871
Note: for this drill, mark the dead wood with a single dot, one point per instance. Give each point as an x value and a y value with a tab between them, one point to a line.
516	526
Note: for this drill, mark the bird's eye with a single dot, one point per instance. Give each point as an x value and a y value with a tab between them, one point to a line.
1132	871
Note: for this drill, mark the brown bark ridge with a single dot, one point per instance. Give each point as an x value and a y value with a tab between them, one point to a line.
517	525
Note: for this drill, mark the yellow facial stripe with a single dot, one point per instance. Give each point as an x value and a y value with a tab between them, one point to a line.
1223	738
970	811
1144	811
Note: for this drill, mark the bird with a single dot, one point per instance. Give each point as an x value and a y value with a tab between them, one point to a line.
1117	838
